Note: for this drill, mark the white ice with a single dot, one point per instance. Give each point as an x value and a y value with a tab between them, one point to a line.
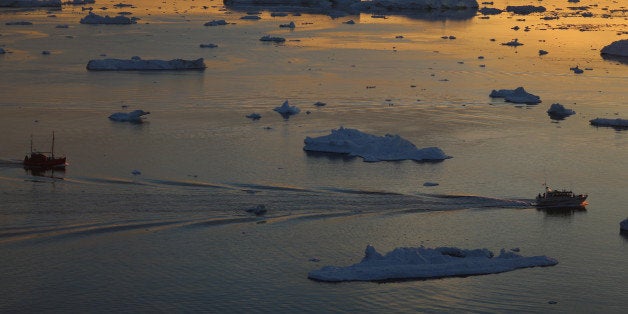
425	263
370	147
517	95
138	64
133	116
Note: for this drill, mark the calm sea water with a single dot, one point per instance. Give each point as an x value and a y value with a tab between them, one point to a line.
177	237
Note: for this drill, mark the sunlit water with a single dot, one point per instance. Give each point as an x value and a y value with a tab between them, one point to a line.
177	236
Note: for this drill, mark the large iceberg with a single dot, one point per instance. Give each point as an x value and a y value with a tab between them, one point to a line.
616	50
93	18
30	3
426	263
134	116
517	95
615	123
138	64
370	147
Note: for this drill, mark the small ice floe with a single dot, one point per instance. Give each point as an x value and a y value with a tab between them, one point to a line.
542	52
272	39
525	9
577	70
285	110
2	51
517	95
251	17
490	11
138	64
208	46
623	226
254	116
136	172
513	43
290	25
428	263
45	52
320	104
30	3
93	18
19	23
616	50
350	22
615	123
371	148
258	210
559	112
430	184
216	23
135	116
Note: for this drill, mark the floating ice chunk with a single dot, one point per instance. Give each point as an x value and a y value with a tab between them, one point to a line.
290	25
78	2
208	45
513	43
430	184
254	116
624	225
517	95
2	51
616	123
559	112
427	263
616	49
525	9
138	64
19	23
273	39
542	52
133	116
350	22
371	148
216	23
251	17
30	3
490	11
136	172
286	110
258	210
320	104
93	18
577	70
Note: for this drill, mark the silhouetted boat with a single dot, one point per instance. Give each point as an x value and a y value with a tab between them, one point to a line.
44	160
560	199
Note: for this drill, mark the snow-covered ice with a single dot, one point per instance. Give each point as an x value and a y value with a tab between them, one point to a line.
558	111
93	18
426	263
286	110
371	148
134	116
517	95
616	123
138	64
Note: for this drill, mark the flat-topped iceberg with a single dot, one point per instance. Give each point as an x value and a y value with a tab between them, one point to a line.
371	148
427	263
93	18
615	123
138	64
559	112
134	116
30	3
517	95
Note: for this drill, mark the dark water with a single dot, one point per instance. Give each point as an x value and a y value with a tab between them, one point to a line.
177	237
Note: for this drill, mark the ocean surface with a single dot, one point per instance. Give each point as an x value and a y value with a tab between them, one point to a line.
176	236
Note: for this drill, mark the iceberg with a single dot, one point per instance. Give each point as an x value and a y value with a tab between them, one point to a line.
559	112
371	148
615	123
138	64
272	38
30	3
286	110
525	9
428	263
517	95
617	50
93	18
133	116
